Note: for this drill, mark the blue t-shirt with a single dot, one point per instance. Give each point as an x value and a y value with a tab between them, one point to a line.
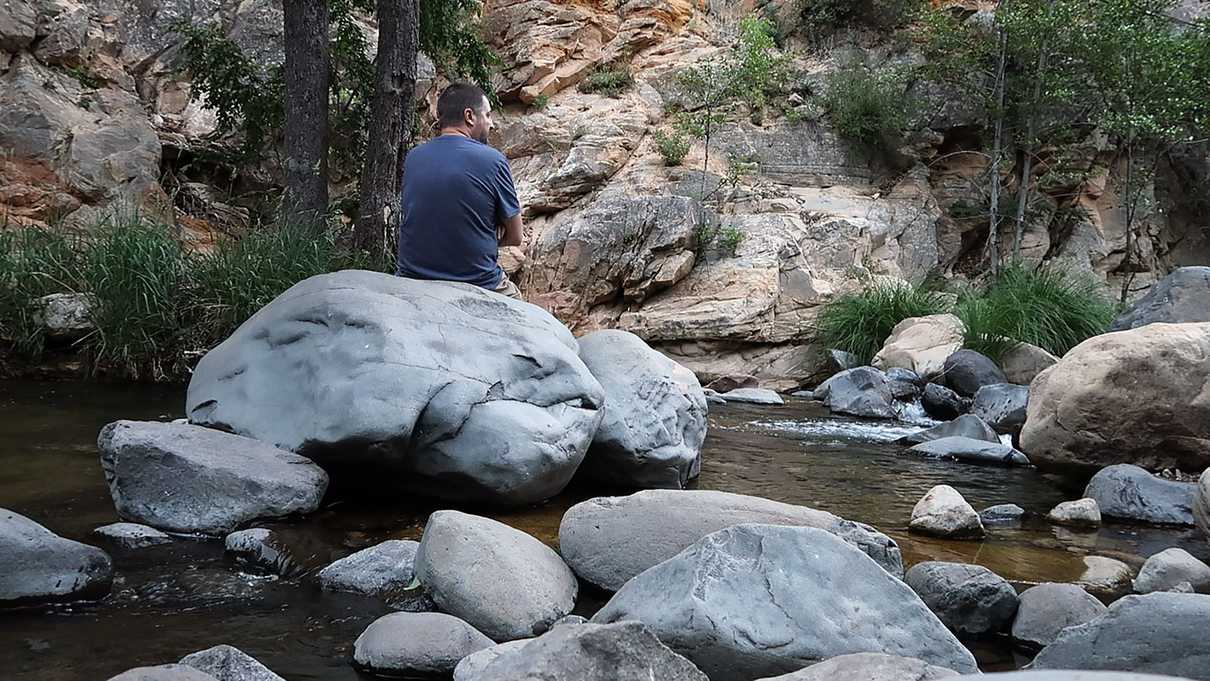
455	192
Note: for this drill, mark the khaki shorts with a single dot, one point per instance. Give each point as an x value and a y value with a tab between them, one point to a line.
507	287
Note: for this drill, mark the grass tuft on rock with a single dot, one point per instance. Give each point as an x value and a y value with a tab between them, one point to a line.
34	262
860	322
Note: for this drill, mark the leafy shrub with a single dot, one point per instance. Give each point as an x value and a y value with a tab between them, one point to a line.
610	82
673	147
822	17
729	239
1050	307
869	107
34	262
540	102
860	322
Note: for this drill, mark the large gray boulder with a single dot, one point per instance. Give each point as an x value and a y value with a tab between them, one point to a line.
1002	406
864	391
416	645
969	449
1169	569
626	651
758	600
921	344
378	570
966	426
1127	492
1201	503
609	540
966	371
226	663
164	672
1047	609
655	415
189	479
1024	362
1182	296
502	581
969	599
18	25
436	388
1160	633
37	565
868	667
942	403
470	668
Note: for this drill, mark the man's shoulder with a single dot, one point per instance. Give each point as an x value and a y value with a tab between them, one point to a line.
461	146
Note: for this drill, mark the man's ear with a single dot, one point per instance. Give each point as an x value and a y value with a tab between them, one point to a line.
468	116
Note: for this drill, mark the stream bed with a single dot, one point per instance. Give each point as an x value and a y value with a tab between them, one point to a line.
172	600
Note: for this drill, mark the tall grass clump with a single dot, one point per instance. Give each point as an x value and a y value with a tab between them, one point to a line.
860	322
1051	307
34	262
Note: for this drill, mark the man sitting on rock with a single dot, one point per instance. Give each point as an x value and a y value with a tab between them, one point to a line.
459	203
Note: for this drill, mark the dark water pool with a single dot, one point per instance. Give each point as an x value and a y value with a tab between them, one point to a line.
172	600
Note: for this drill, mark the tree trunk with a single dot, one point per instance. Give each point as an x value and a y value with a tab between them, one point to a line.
993	233
306	135
391	116
1027	162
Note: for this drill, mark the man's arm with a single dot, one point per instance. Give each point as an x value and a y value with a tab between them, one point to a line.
513	231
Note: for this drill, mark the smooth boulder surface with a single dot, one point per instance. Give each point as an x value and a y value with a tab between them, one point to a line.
502	581
1169	569
189	479
1047	609
922	344
264	551
164	672
1182	296
905	385
841	360
434	388
1002	406
470	668
753	396
1201	503
375	571
864	391
1160	633
609	540
868	667
1127	492
1139	396
626	651
969	449
966	426
759	600
1001	514
1106	578
966	371
37	565
942	512
132	535
969	599
227	663
654	415
417	645
1078	513
942	403
1023	363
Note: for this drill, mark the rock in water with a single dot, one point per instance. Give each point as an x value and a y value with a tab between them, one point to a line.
721	385
1024	362
609	540
1078	513
1160	633
942	403
966	371
1127	492
905	385
1002	406
966	426
968	449
1106	578
416	645
863	391
1201	503
753	396
502	581
758	600
65	316
1001	514
226	663
922	344
1181	297
841	360
471	667
969	599
627	651
164	672
942	512
1145	391
1168	569
377	571
655	415
437	388
183	478
133	535
1047	609
868	667
262	550
37	565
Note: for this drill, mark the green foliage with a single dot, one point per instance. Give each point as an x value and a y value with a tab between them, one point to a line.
821	17
861	322
610	82
34	262
85	77
450	34
750	72
869	107
540	102
729	239
1050	307
673	147
351	85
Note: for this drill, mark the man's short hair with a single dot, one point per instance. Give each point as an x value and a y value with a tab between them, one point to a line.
455	100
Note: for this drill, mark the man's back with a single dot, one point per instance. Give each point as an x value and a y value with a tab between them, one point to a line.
455	193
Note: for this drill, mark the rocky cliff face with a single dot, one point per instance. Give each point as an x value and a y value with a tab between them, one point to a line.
92	111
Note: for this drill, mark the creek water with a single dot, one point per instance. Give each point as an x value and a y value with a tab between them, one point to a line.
171	600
